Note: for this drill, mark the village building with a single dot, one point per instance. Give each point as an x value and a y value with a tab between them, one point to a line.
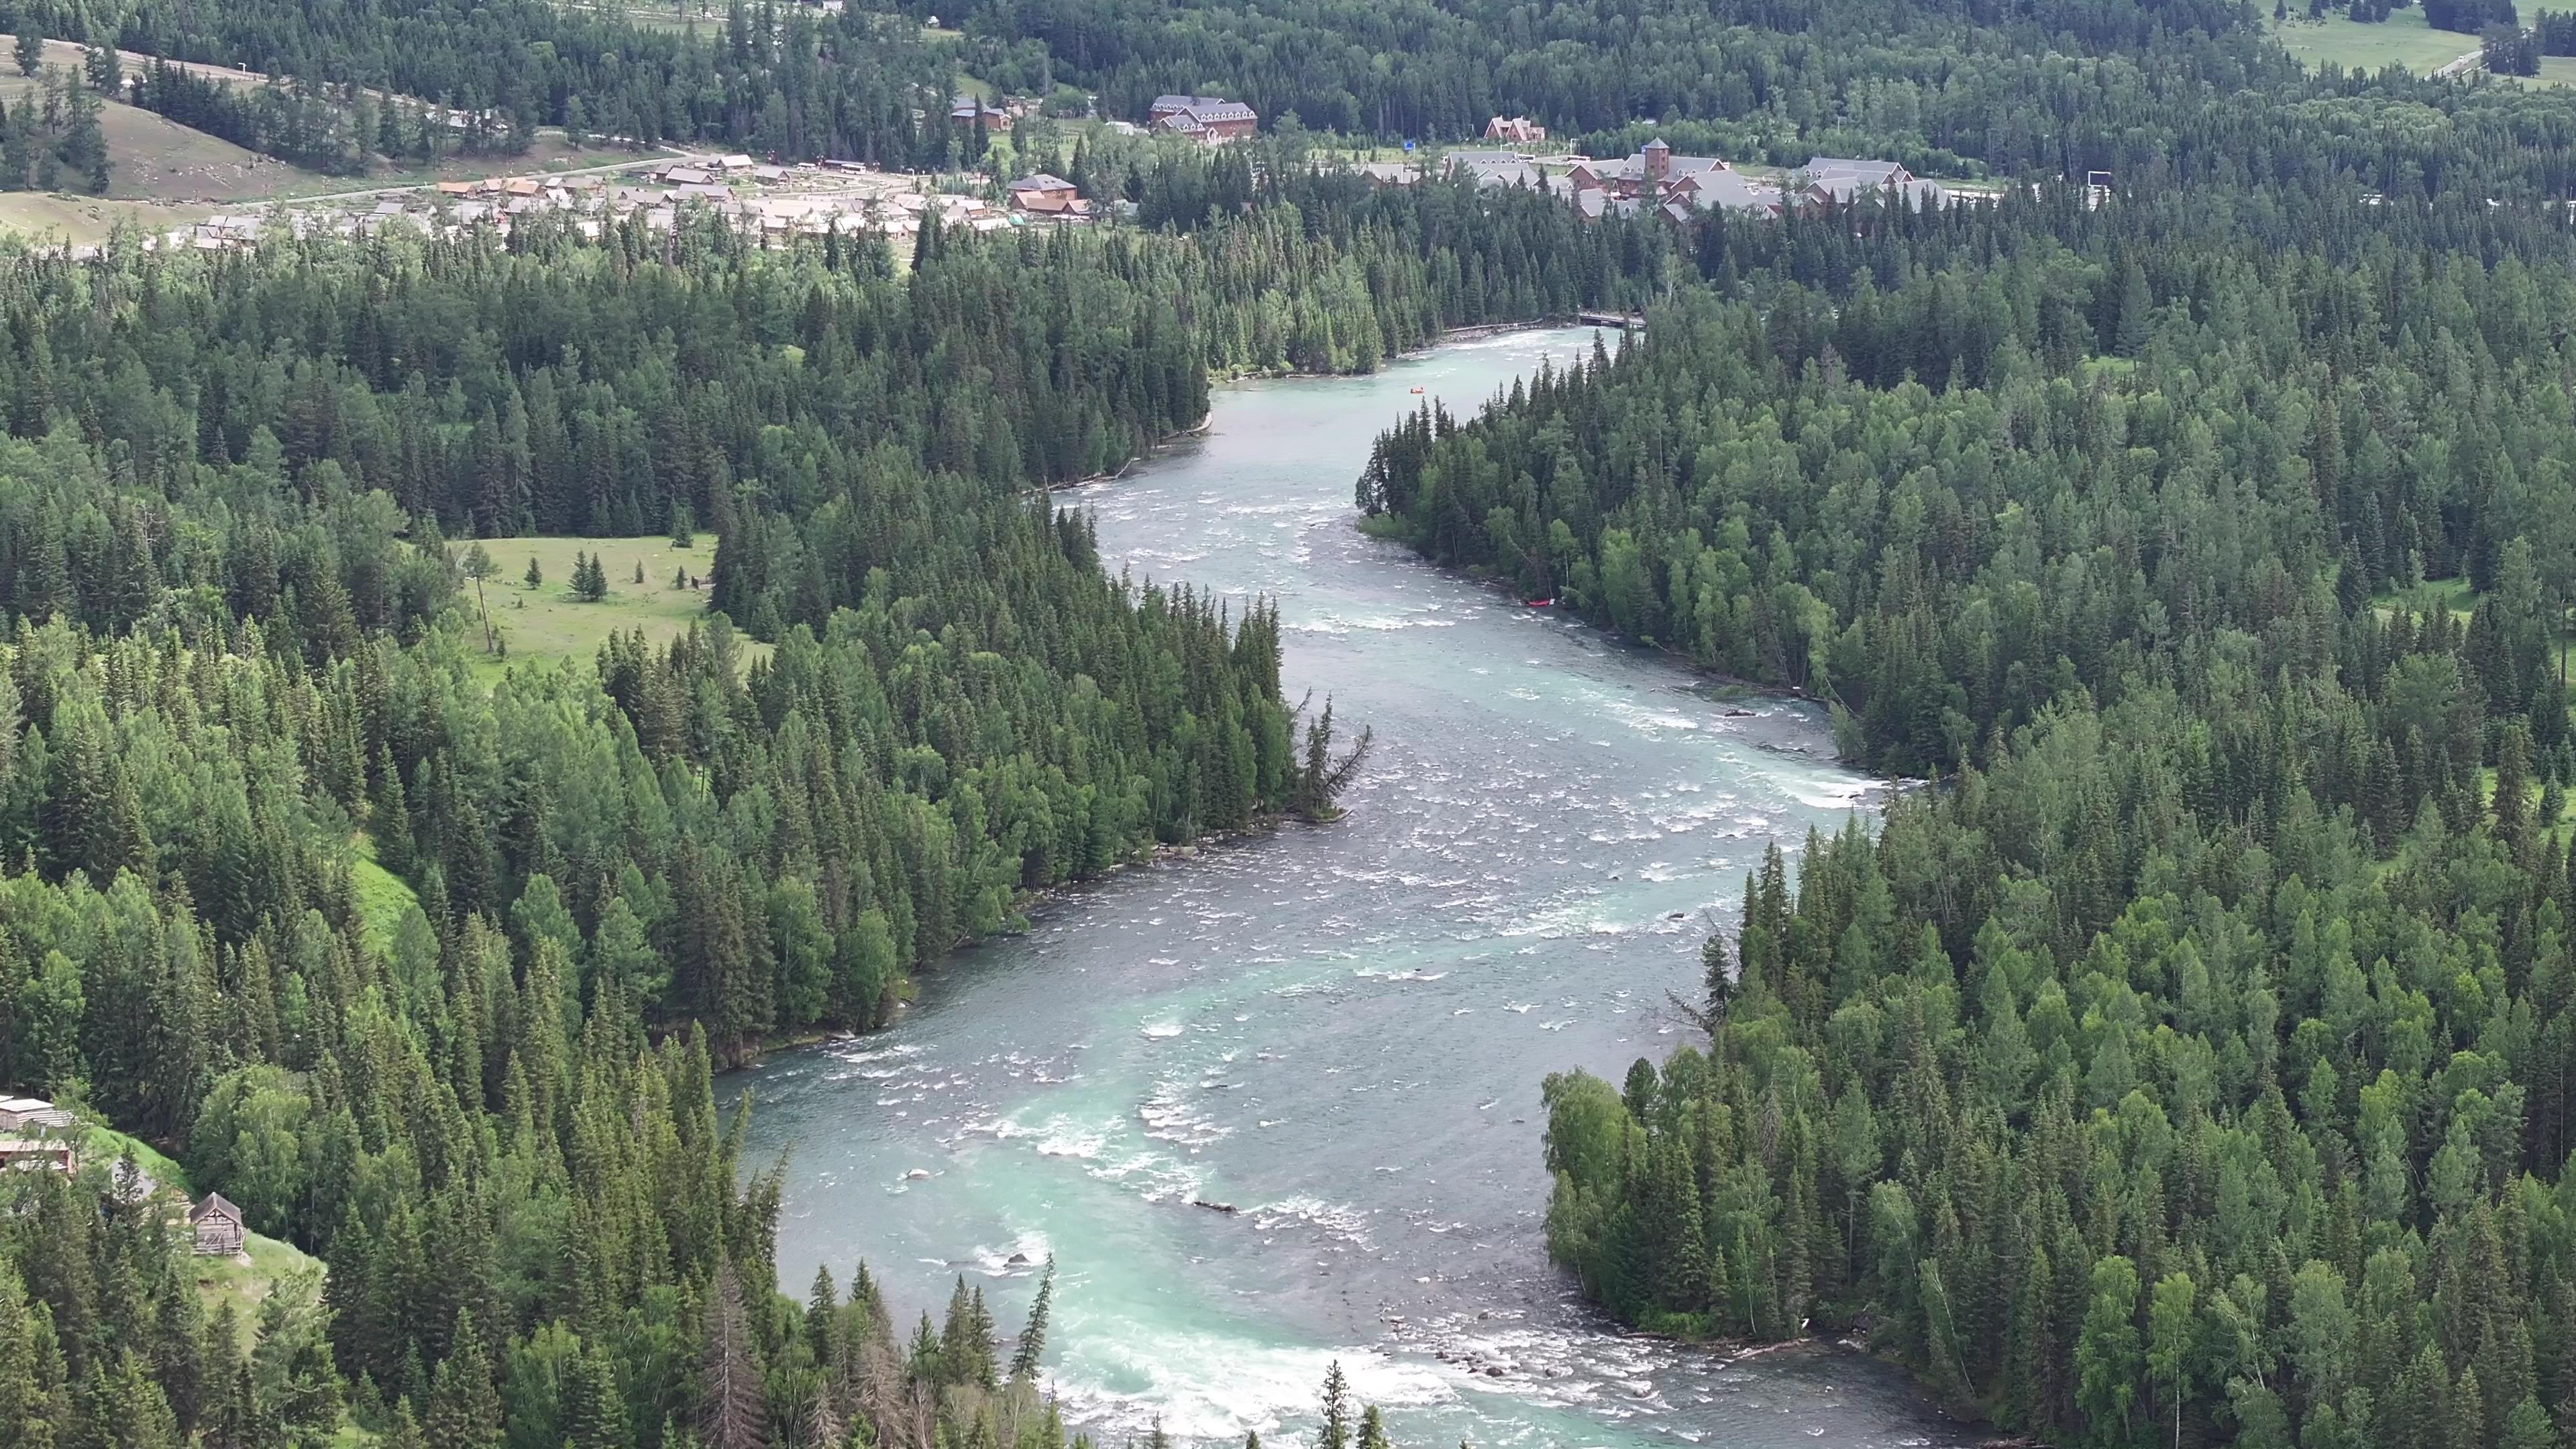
1494	168
965	110
1208	120
1725	190
1681	187
1651	173
35	1154
30	1115
1838	181
1043	195
215	1225
1389	173
1518	129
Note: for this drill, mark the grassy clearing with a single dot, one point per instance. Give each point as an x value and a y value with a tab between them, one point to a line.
673	17
2453	594
2402	39
384	898
2462	600
548	623
87	220
2486	792
2555	70
247	1285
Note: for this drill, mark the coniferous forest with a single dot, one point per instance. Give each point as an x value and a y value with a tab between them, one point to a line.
2189	1058
237	708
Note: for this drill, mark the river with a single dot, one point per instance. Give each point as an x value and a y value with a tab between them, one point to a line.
1339	1031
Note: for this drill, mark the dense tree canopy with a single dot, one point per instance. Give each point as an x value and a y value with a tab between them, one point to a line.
2189	1064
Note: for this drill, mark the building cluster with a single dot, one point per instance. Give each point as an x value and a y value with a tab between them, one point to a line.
37	1136
775	203
1655	178
1209	120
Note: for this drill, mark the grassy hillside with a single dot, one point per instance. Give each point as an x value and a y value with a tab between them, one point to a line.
218	1279
246	1284
548	623
163	175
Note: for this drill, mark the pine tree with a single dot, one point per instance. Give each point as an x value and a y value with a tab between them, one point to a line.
464	1408
822	1317
1024	1359
25	1396
1337	1409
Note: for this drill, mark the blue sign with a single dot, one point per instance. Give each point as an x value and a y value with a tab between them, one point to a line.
1408	145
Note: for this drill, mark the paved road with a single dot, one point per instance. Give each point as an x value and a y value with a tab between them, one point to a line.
2463	65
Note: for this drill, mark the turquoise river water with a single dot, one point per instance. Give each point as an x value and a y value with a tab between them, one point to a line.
1339	1032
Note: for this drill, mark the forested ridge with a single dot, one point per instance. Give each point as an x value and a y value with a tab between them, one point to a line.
2190	1062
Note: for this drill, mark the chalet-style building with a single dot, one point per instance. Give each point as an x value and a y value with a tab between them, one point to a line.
1645	174
965	110
1209	120
1653	177
1494	168
1520	130
216	1226
1726	191
1043	195
32	1114
1837	181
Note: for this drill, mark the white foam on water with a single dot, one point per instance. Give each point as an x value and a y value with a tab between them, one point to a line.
1059	1135
1336	1220
1156	1177
1830	794
1029	1249
1162	1030
1169	1117
1206	1388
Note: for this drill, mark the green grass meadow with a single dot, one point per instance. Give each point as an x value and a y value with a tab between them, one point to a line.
535	625
2402	39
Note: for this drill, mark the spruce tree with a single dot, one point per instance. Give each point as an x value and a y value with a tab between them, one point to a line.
1032	1345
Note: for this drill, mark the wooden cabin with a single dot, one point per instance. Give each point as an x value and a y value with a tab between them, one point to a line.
216	1225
